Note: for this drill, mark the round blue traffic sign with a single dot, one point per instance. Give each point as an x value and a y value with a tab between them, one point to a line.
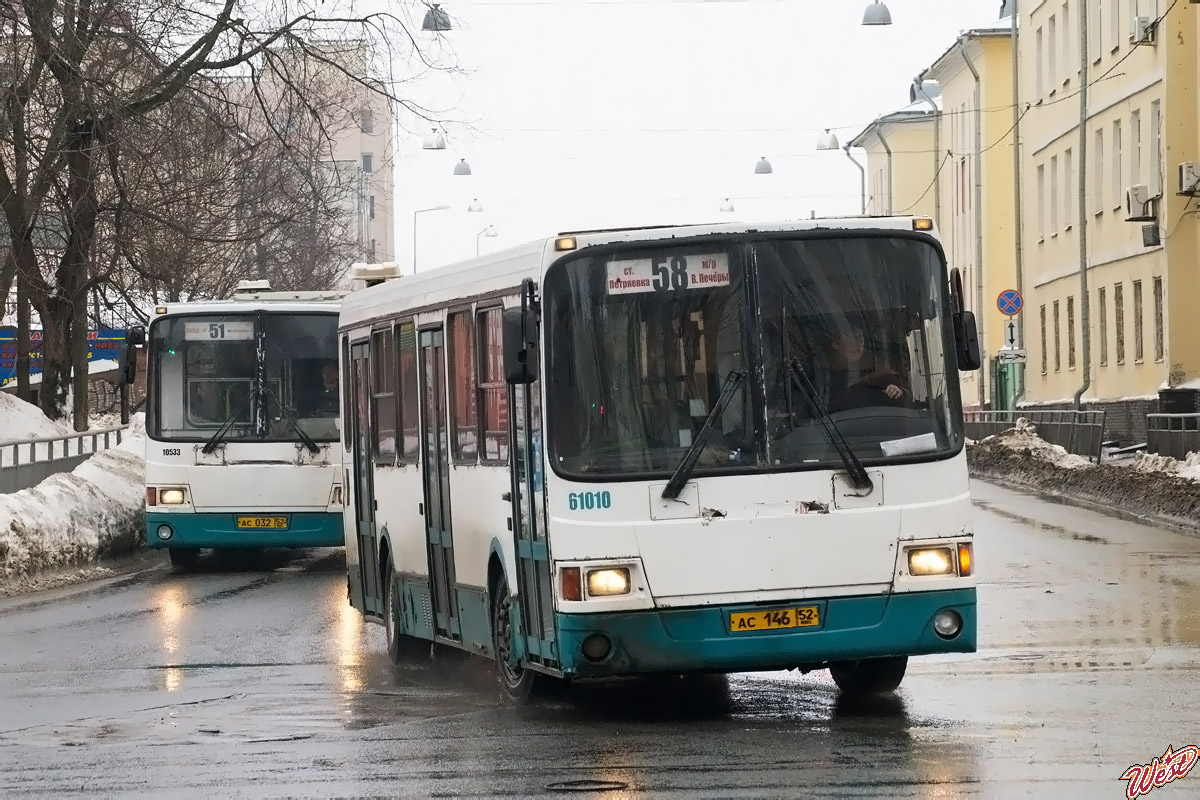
1009	302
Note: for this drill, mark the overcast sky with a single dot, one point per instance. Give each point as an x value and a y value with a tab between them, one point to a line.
592	113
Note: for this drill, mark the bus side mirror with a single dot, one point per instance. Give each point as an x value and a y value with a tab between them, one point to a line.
966	341
520	346
128	364
135	335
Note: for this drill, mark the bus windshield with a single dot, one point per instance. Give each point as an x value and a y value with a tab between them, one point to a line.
205	369
848	328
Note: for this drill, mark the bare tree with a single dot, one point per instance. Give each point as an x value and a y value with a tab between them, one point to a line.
83	80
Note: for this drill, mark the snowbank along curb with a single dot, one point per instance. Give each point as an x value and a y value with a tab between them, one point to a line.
1153	486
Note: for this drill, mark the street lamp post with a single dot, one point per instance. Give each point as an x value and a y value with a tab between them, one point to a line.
489	231
415	213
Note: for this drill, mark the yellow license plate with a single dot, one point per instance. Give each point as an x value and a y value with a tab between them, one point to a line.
271	523
774	619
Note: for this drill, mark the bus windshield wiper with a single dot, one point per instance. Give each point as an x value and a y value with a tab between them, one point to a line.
858	473
688	464
223	431
290	419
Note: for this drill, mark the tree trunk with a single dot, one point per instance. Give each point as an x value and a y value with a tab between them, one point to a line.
79	357
56	356
24	313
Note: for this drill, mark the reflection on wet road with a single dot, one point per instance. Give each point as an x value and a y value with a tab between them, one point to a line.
267	683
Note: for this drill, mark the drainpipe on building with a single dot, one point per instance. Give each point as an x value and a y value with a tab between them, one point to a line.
1084	305
937	150
981	316
888	150
1018	227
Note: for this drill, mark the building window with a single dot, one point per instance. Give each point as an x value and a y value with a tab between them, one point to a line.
1135	148
1156	156
1102	304
1070	333
464	418
1068	195
1159	339
371	206
1114	25
1096	30
1041	201
406	347
368	162
366	120
493	389
1057	341
1118	188
1119	320
1052	67
1045	355
1068	43
1098	183
1041	64
1138	350
383	396
1053	195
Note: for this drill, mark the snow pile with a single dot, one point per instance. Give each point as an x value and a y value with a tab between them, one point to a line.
1151	463
21	420
73	517
1023	438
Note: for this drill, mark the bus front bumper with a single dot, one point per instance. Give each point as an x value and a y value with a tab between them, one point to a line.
220	530
700	640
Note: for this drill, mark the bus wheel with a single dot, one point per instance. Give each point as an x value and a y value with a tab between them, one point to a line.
870	675
183	560
401	647
515	682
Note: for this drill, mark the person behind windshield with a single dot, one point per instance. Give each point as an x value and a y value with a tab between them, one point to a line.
858	379
327	399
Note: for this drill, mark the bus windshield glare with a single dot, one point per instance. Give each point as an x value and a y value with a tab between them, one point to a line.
847	329
204	370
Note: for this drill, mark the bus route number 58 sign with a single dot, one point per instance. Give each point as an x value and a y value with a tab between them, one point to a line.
668	273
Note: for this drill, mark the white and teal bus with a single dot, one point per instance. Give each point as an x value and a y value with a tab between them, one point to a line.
242	424
713	448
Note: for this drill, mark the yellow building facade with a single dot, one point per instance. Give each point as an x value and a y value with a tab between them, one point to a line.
900	161
1111	278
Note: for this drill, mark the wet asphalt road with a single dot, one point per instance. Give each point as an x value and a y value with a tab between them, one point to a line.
267	684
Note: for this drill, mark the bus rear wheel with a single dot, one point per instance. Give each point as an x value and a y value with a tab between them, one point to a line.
870	675
183	560
516	683
401	647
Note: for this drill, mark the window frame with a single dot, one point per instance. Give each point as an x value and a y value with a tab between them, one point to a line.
377	359
480	387
401	456
452	388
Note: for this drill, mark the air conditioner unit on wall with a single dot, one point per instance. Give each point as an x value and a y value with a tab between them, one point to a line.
1189	172
1139	206
1145	30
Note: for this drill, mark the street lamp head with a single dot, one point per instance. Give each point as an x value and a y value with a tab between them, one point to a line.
462	168
475	206
434	141
727	208
877	14
763	167
828	141
436	20
490	232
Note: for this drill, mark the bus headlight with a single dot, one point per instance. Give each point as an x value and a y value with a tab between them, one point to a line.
608	582
931	561
170	497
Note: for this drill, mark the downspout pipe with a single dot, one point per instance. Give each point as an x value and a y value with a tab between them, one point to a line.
1018	225
863	171
981	317
888	150
1084	305
937	149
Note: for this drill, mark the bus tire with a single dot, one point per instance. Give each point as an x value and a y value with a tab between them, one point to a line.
516	684
870	675
183	560
401	647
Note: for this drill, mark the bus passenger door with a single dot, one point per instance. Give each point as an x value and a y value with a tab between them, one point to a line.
364	485
435	472
535	590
